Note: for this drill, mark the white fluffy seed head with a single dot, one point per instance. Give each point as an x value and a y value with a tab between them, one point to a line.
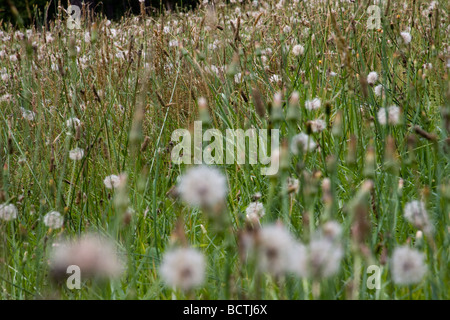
392	118
275	245
76	154
298	50
304	141
313	104
238	77
275	78
372	77
406	36
8	212
416	213
298	262
255	211
287	29
324	258
318	125
28	114
93	254
332	230
53	220
203	186
407	266
183	268
378	90
114	181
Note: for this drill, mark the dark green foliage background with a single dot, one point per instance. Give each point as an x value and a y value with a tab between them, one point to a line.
33	11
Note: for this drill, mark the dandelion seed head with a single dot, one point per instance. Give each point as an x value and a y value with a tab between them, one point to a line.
407	266
254	211
275	78
304	141
298	260
313	104
28	114
393	115
94	255
293	185
298	50
318	125
406	36
8	212
332	230
76	154
203	186
183	268
114	181
372	78
324	258
378	90
416	213
275	243
54	220
287	29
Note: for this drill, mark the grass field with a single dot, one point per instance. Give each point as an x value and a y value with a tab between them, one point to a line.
359	208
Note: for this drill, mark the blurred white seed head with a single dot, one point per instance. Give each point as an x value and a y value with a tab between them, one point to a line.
304	141
76	154
275	78
203	186
392	118
28	114
8	212
277	100
293	185
406	36
287	29
332	230
114	181
298	262
407	266
53	220
324	258
238	77
378	90
298	50
372	78
93	254
313	104
254	212
318	125
183	268
416	213
275	245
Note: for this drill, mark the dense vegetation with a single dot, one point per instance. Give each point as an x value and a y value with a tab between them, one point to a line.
87	117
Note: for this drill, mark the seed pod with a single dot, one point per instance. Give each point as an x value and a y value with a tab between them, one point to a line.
370	162
145	144
258	102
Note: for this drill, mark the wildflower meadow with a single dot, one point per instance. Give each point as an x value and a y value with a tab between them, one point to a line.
264	150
